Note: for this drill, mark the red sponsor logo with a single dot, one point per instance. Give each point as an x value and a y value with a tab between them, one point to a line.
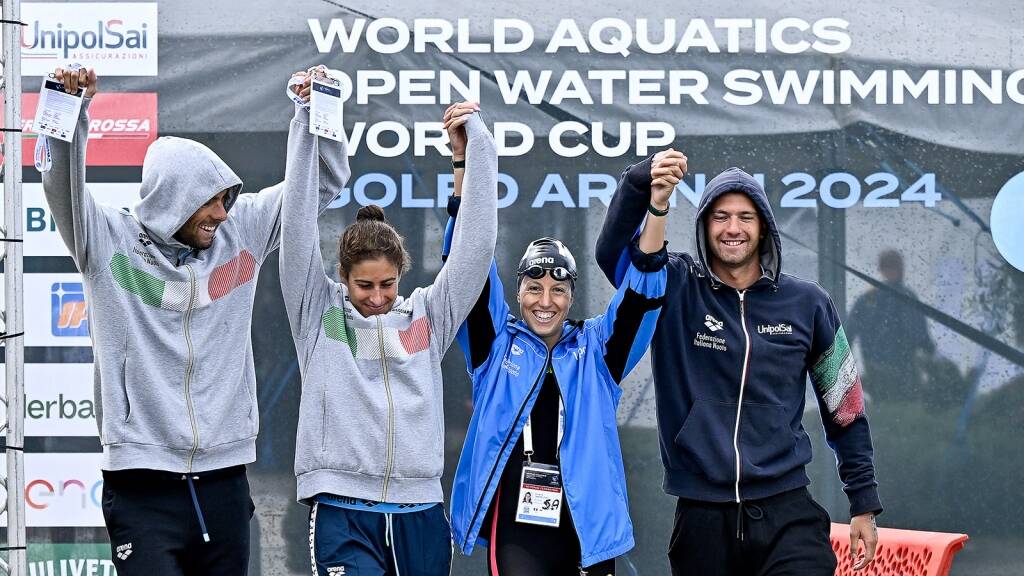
121	128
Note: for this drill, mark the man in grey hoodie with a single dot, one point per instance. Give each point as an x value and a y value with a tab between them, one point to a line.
171	287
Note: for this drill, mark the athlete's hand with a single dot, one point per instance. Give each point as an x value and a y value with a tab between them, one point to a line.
75	79
667	169
303	90
455	118
863	531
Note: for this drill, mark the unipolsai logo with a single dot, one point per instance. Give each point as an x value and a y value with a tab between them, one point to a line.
63	43
69	314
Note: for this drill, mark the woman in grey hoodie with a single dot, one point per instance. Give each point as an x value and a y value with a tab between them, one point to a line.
369	449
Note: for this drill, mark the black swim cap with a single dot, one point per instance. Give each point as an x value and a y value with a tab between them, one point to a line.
547	255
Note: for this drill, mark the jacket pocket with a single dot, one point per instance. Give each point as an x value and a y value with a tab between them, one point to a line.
418	428
766	444
124	388
344	429
706	439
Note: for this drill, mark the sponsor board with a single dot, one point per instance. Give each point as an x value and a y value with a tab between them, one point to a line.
56	313
62	490
40	231
58	400
59	559
117	39
121	127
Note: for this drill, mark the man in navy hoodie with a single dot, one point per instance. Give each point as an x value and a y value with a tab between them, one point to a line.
731	354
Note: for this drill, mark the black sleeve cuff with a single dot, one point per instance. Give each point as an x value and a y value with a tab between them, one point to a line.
639	175
645	262
864	500
453	205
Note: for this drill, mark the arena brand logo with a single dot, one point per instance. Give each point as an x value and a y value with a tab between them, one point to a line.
72	493
542	260
712	324
69	311
59	43
516	350
124	551
777	329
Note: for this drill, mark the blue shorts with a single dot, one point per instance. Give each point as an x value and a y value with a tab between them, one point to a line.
351	542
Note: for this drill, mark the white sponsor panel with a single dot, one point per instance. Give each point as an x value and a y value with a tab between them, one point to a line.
56	313
58	400
62	490
117	39
41	235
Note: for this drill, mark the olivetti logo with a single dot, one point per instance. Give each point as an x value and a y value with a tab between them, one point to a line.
69	311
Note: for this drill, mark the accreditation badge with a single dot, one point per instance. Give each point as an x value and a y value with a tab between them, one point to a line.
57	111
540	495
325	110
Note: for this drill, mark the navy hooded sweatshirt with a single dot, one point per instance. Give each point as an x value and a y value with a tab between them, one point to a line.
723	356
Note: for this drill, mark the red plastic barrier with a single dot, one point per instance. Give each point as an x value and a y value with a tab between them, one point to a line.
900	552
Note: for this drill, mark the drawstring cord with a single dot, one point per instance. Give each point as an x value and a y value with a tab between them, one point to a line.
746	509
195	503
389	540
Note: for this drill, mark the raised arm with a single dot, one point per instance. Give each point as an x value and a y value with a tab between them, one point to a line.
476	335
304	284
79	219
260	213
629	322
457	286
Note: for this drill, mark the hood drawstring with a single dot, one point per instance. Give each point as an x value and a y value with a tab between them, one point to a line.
195	503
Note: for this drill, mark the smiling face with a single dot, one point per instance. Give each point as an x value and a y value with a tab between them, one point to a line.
373	286
198	231
733	232
544	304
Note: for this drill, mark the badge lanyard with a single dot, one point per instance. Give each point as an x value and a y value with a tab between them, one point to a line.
528	433
541	495
57	115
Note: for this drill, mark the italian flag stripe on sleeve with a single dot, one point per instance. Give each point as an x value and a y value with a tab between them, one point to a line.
837	381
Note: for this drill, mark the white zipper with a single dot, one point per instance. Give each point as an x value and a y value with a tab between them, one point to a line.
189	365
743	385
389	466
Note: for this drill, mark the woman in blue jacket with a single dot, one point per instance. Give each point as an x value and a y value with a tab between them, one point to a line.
545	391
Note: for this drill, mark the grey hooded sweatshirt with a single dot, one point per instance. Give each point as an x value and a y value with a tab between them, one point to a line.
175	385
371	424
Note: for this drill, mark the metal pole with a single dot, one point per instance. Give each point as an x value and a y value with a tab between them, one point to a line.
15	345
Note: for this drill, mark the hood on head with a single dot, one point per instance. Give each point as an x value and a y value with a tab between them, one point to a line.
179	176
736	180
